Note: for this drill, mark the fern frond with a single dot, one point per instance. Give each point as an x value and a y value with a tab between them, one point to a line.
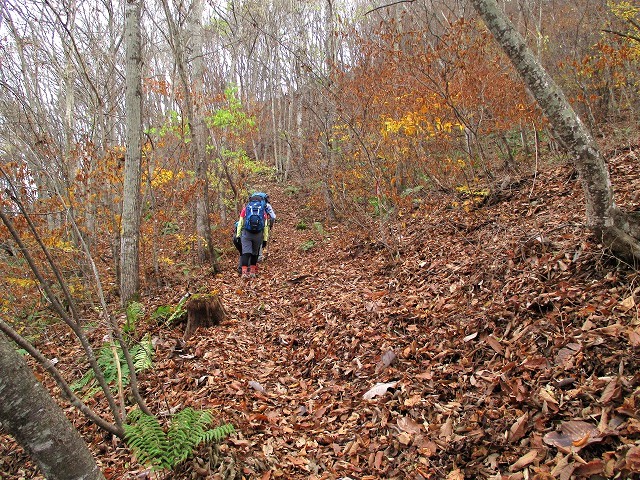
134	311
218	433
178	311
143	354
145	437
189	429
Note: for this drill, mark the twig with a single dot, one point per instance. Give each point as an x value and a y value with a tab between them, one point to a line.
535	173
389	5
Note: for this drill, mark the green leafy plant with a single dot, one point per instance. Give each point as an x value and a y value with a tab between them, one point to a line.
142	354
301	225
134	312
168	313
291	190
412	191
169	228
319	228
165	450
308	245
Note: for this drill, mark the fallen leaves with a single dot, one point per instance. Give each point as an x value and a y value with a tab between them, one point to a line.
476	354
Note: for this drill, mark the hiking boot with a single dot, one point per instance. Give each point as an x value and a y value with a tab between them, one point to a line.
244	272
253	271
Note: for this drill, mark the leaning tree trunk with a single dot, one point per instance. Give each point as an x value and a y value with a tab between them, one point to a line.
617	230
38	423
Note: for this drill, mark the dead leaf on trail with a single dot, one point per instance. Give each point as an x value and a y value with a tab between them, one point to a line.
627	304
573	436
632	459
562	467
523	461
388	359
404	438
256	386
413	400
594	467
378	389
613	330
446	430
378	459
470	337
518	429
565	356
428	448
547	395
455	475
494	343
634	337
611	391
409	425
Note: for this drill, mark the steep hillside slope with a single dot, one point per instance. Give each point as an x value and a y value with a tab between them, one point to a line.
480	339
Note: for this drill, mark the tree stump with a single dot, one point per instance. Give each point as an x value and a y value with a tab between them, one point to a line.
203	310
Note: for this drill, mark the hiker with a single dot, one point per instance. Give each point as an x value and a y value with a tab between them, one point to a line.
252	230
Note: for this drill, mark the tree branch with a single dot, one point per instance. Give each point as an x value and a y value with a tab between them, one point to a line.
623	35
388	5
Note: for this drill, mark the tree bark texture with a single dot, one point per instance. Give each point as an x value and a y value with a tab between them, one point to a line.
30	415
616	229
130	239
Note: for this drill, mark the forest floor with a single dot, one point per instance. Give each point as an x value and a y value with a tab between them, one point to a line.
492	340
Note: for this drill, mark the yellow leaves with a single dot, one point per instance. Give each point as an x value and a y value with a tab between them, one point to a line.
624	10
166	260
417	123
465	189
21	282
60	244
162	177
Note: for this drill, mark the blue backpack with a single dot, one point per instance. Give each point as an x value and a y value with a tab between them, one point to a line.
255	212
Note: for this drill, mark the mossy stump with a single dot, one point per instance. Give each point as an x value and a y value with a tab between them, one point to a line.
203	310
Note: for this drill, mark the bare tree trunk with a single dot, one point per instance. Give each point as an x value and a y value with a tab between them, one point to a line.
330	61
617	230
130	240
36	421
193	91
206	252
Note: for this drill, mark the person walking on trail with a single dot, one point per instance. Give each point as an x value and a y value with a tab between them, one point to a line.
252	230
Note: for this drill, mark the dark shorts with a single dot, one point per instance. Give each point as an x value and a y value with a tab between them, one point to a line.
251	242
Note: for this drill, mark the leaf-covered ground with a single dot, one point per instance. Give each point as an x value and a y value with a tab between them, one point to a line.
500	343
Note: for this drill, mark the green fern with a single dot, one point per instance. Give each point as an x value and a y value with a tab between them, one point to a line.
189	429
145	437
142	354
134	312
169	314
